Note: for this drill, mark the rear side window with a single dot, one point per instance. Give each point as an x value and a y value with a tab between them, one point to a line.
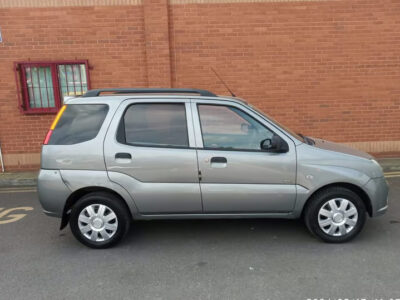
79	123
155	124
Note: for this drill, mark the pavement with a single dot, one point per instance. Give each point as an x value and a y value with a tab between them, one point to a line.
391	166
195	259
14	179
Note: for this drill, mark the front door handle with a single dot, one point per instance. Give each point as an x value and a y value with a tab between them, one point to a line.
123	155
218	160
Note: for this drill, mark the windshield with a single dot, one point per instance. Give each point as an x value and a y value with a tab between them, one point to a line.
291	132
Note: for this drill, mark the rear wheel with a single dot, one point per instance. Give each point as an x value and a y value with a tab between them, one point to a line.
335	215
99	220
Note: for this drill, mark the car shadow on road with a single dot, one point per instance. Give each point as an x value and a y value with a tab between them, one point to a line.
206	231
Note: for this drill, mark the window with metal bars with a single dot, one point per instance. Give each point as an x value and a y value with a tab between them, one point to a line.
44	85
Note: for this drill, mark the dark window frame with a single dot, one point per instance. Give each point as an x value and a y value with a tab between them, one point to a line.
22	84
228	149
121	134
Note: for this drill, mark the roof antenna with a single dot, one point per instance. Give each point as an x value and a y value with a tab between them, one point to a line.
223	82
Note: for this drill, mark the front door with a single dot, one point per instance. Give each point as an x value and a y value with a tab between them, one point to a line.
236	175
149	150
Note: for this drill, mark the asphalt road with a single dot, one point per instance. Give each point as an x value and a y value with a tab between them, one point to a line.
217	259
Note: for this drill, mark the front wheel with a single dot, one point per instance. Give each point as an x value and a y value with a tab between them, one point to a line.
99	220
335	215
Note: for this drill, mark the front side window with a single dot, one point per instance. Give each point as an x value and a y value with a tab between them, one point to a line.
226	127
44	85
156	124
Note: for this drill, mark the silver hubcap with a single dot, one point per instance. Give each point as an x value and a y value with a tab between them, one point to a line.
337	217
98	222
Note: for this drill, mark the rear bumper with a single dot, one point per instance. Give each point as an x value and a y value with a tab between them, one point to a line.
52	191
378	189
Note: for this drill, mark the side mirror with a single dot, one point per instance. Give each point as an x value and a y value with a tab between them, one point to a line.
266	144
275	144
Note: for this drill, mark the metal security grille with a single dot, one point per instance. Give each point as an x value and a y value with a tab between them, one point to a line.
73	80
40	87
45	84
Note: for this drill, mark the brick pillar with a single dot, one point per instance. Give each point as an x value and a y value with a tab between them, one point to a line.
157	43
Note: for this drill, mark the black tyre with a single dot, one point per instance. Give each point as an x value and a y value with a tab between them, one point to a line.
335	215
99	220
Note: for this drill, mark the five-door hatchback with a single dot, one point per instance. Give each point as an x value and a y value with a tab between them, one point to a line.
111	156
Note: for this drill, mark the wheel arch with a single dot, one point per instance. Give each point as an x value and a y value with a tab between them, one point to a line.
79	193
354	188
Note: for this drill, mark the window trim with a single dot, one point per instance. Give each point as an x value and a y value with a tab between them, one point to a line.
225	149
22	85
121	127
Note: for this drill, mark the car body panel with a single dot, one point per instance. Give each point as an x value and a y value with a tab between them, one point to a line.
377	189
160	179
248	198
52	191
250	181
317	167
160	198
80	179
161	182
327	145
241	215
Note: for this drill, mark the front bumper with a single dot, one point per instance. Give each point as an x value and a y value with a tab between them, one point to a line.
377	190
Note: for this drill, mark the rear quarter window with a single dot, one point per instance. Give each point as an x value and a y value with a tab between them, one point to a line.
79	123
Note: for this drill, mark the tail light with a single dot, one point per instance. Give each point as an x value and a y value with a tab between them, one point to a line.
53	125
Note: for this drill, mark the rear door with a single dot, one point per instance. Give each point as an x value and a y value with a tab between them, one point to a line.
236	175
149	150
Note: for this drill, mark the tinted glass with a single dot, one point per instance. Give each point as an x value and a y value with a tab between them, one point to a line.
156	125
79	123
226	127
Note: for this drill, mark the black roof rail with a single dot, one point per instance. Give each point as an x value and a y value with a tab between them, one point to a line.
97	92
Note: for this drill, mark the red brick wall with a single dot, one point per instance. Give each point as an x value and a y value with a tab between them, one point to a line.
329	69
157	43
111	38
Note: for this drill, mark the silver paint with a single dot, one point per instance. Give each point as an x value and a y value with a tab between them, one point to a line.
52	192
164	182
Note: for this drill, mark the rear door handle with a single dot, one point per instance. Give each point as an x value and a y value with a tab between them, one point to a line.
218	160
123	155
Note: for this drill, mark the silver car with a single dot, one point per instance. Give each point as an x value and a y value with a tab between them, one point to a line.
114	155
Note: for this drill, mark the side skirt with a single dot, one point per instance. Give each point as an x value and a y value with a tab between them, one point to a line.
216	216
